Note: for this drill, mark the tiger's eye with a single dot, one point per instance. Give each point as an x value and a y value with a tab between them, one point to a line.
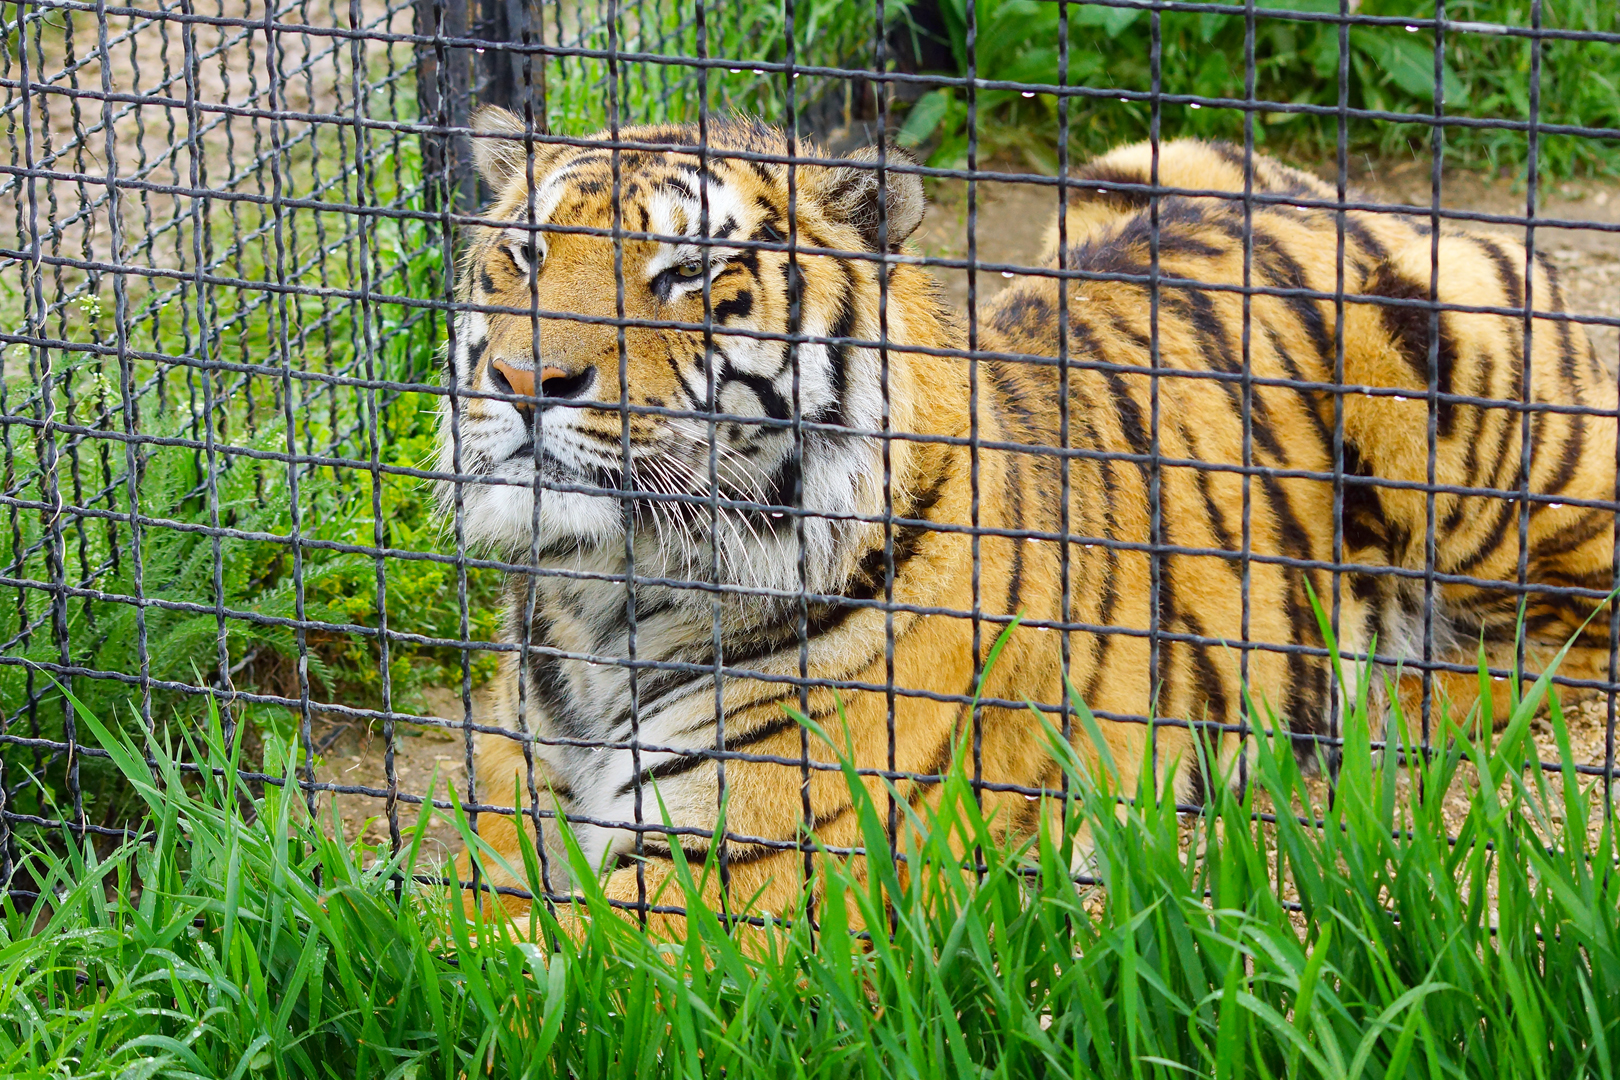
526	254
689	270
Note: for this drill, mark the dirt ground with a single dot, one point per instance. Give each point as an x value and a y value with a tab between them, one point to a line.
426	757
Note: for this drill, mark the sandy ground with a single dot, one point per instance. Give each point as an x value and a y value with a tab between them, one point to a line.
425	758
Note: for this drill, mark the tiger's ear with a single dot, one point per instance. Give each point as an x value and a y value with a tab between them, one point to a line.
851	195
499	149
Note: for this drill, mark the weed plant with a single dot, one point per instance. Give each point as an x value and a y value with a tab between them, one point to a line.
1390	69
237	938
826	33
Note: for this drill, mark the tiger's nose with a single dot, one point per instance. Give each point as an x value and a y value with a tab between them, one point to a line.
555	383
516	381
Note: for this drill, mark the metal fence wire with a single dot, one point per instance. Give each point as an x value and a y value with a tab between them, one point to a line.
230	250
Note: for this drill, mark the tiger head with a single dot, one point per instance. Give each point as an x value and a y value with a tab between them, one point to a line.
580	366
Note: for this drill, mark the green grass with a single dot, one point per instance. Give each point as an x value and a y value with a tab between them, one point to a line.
242	940
1486	76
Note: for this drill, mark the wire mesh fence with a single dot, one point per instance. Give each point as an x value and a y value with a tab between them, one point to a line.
592	524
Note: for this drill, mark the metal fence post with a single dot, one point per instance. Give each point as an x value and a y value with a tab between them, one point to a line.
443	97
499	77
452	79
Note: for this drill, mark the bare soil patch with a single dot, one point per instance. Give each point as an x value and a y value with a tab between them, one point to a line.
427	759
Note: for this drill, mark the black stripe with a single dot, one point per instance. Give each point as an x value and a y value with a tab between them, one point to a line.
1365	526
1304	708
1127	199
838	352
685	763
1571	537
1312	400
1510	277
1010	402
1408	327
868	582
1356	230
738	306
775	406
1015	497
1021	310
475	354
1279	269
1217	518
1208	680
1496	535
1199	310
1132	425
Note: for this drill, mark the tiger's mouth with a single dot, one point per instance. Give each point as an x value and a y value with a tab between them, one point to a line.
556	474
667	461
695	502
676	490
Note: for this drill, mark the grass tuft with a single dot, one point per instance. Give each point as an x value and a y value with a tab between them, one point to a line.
237	937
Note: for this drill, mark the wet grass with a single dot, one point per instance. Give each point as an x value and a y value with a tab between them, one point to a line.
1351	940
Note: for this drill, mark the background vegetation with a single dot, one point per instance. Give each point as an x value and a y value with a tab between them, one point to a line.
1391	69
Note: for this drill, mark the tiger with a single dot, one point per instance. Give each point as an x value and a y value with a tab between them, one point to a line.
753	478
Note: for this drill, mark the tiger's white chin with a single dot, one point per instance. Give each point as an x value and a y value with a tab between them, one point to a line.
503	519
759	555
